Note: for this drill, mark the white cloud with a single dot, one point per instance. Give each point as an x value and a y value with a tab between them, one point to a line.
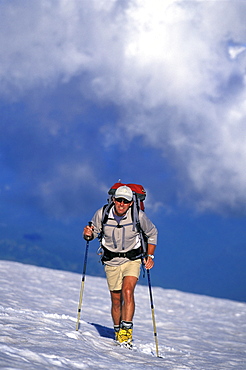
176	69
67	190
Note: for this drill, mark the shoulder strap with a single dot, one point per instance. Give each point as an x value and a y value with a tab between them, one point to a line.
106	210
135	213
135	216
105	214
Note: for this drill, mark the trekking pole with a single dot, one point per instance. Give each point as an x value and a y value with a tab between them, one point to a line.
82	282
153	314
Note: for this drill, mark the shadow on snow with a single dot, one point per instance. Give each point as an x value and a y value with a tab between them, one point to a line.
103	331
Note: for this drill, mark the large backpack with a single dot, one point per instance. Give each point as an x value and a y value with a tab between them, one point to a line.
139	195
138	191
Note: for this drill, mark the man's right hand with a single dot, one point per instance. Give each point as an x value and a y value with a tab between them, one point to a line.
88	232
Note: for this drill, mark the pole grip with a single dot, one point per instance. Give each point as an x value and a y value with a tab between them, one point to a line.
88	237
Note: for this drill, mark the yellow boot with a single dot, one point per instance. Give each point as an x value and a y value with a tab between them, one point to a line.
116	332
124	336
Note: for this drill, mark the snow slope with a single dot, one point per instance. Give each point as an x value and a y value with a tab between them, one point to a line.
38	312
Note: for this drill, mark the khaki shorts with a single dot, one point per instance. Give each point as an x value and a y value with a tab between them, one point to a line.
115	274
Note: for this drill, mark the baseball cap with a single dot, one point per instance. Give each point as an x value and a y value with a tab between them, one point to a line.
124	192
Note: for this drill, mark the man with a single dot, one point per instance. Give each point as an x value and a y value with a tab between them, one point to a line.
122	257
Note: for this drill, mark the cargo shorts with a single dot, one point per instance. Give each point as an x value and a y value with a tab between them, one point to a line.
116	274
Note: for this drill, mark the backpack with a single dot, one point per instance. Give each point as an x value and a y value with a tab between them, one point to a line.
139	195
138	190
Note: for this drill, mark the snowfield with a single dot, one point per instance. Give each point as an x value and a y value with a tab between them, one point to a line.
38	313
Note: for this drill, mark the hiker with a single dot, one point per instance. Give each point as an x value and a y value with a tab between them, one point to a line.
122	257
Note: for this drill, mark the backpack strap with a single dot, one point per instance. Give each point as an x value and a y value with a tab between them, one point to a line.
131	255
105	214
136	222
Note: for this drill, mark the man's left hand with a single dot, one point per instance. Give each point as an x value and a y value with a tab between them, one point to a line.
149	263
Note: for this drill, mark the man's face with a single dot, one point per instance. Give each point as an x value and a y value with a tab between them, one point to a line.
121	206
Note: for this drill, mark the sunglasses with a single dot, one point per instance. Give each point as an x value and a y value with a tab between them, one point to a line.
125	201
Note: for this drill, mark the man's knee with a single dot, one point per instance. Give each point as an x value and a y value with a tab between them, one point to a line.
128	293
116	298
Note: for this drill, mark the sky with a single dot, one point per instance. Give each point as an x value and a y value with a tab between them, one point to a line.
96	91
38	322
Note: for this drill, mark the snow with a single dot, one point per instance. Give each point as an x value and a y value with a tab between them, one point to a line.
38	313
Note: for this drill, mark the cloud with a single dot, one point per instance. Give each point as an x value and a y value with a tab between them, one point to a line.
173	71
67	190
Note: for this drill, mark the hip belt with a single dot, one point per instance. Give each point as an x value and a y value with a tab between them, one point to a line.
131	255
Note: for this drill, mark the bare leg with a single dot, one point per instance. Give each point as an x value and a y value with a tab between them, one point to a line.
116	303
123	303
128	302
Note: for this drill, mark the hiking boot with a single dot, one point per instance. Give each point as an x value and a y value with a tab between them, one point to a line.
124	336
116	332
125	333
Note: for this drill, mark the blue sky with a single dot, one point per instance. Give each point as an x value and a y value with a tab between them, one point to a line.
152	93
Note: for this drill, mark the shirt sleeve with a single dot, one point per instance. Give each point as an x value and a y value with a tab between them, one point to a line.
97	223
148	228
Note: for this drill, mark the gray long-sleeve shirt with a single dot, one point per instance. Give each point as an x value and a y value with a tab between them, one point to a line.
122	236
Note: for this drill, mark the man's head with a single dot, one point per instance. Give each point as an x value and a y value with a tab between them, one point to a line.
122	200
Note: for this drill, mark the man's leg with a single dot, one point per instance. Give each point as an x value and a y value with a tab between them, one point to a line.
128	302
116	303
123	303
124	336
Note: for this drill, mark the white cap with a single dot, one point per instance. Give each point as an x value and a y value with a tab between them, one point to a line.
124	192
